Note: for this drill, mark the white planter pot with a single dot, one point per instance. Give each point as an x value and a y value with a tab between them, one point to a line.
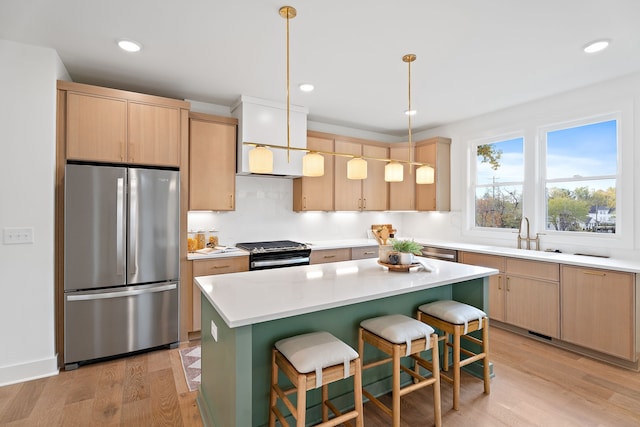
406	258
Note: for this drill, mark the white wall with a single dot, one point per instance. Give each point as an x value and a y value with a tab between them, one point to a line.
621	95
27	170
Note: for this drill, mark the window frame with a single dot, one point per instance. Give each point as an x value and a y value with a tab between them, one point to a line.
473	180
542	182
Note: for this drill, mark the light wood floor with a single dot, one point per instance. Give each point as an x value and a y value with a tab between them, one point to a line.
535	385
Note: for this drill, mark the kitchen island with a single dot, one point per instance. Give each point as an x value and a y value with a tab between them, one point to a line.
243	314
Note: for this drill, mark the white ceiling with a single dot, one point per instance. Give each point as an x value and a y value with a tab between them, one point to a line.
473	56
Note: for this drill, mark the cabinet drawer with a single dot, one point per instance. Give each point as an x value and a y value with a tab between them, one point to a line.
536	269
220	266
330	255
364	252
483	260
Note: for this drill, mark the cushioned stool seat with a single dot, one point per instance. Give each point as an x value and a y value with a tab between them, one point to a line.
458	320
311	361
402	336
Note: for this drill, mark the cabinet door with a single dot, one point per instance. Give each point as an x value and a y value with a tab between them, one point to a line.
598	310
533	305
375	190
154	135
210	267
212	165
364	252
316	193
348	192
497	297
402	194
96	128
436	196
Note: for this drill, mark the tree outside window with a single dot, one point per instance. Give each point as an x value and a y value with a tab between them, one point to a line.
499	183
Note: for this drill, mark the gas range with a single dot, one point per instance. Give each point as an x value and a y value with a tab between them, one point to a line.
276	254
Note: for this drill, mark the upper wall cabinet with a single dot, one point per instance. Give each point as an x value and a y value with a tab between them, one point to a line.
316	193
109	125
437	196
402	195
212	162
371	194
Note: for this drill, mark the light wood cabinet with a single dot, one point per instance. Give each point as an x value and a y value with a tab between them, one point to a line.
109	125
496	282
316	193
402	195
322	256
364	252
212	162
598	310
370	194
525	293
210	267
437	196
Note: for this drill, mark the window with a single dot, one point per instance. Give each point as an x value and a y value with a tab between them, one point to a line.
499	183
581	172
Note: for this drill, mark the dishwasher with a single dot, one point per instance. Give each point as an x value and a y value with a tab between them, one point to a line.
439	253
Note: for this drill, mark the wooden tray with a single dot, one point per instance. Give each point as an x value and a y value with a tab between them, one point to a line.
398	267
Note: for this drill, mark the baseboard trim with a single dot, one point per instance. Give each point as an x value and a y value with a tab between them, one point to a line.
29	371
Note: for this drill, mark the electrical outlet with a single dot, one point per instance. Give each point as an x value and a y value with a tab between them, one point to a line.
16	236
214	331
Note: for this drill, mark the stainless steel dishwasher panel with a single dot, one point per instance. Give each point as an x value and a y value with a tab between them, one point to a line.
440	253
114	321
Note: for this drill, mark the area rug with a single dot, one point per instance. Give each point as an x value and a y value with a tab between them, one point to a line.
191	366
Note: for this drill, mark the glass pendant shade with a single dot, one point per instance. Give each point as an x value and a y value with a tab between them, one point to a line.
357	168
313	164
393	172
260	160
425	175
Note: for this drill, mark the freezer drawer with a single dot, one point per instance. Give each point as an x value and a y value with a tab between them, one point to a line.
116	321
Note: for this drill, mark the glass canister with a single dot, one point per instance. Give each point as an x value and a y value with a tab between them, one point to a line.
192	242
212	239
200	240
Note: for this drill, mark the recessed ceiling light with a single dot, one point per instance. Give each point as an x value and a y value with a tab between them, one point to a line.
129	45
410	112
306	87
596	46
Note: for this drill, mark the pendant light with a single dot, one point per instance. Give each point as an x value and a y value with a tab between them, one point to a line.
425	175
313	164
357	168
260	160
393	172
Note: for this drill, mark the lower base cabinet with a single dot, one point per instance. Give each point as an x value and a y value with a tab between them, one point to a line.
208	267
598	310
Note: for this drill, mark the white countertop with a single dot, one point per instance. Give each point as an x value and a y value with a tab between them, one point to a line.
258	296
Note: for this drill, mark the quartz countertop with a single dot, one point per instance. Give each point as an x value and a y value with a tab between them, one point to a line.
230	251
251	297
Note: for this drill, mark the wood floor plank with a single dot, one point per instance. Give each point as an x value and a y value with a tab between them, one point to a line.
535	385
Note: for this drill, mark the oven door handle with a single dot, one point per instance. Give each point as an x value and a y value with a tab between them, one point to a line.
283	261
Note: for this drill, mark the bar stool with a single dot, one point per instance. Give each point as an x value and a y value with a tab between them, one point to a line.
402	336
457	319
311	361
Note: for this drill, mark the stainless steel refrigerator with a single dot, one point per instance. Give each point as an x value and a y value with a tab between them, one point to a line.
121	261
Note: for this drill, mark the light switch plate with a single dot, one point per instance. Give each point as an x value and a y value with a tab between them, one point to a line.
16	236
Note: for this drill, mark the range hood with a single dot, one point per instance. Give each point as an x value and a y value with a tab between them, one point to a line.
265	122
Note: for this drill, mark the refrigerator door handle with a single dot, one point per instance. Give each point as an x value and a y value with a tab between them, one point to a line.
133	224
120	227
120	294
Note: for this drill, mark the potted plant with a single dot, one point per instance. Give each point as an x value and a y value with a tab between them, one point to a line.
406	248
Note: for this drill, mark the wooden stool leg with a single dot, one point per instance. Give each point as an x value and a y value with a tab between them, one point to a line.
301	407
437	405
325	398
485	362
273	397
395	392
357	393
456	368
445	351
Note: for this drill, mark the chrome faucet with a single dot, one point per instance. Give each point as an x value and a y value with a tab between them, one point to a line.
528	239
